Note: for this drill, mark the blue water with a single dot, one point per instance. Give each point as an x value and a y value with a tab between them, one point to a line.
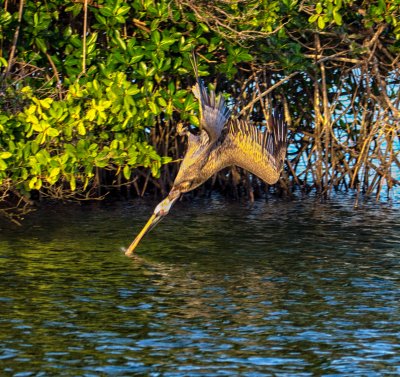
217	289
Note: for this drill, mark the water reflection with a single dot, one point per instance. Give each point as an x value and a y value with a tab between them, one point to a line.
217	289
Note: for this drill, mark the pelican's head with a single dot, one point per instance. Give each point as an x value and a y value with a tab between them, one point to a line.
160	211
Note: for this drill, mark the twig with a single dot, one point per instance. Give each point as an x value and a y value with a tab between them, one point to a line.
85	4
15	39
269	90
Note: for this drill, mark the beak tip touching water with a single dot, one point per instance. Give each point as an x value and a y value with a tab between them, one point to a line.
161	210
154	219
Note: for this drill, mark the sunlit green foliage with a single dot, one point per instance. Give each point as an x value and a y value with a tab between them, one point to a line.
367	13
95	125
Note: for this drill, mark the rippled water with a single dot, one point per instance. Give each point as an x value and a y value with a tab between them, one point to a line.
217	289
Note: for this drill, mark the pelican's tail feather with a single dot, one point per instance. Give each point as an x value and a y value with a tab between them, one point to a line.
214	113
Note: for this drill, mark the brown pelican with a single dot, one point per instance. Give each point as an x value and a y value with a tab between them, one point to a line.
223	141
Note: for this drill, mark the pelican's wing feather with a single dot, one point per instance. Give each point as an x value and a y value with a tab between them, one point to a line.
260	152
214	113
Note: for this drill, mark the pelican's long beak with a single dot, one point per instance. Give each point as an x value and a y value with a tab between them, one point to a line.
161	210
154	219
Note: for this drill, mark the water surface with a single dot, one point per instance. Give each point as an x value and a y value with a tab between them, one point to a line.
217	289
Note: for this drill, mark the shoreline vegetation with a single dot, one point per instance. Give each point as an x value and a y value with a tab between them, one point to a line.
91	93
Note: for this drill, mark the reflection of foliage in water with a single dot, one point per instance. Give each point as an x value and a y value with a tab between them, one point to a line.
297	287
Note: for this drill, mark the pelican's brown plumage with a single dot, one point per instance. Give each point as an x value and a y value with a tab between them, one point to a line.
223	141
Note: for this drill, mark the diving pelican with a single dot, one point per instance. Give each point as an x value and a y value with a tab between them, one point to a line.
223	141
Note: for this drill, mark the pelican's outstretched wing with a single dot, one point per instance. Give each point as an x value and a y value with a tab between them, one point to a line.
260	152
213	112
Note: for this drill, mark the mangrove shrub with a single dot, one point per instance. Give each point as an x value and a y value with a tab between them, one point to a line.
91	92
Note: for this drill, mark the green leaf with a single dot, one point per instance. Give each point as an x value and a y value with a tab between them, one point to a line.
321	22
244	57
382	5
337	17
106	11
32	183
38	184
91	39
5	155
154	24
154	108
67	31
40	44
167	42
127	172
3	62
132	91
165	160
156	37
313	18
194	120
39	126
136	58
204	27
123	10
121	42
42	157
72	183
54	172
34	147
52	132
91	114
81	129
338	4
155	169
75	9
161	101
101	19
